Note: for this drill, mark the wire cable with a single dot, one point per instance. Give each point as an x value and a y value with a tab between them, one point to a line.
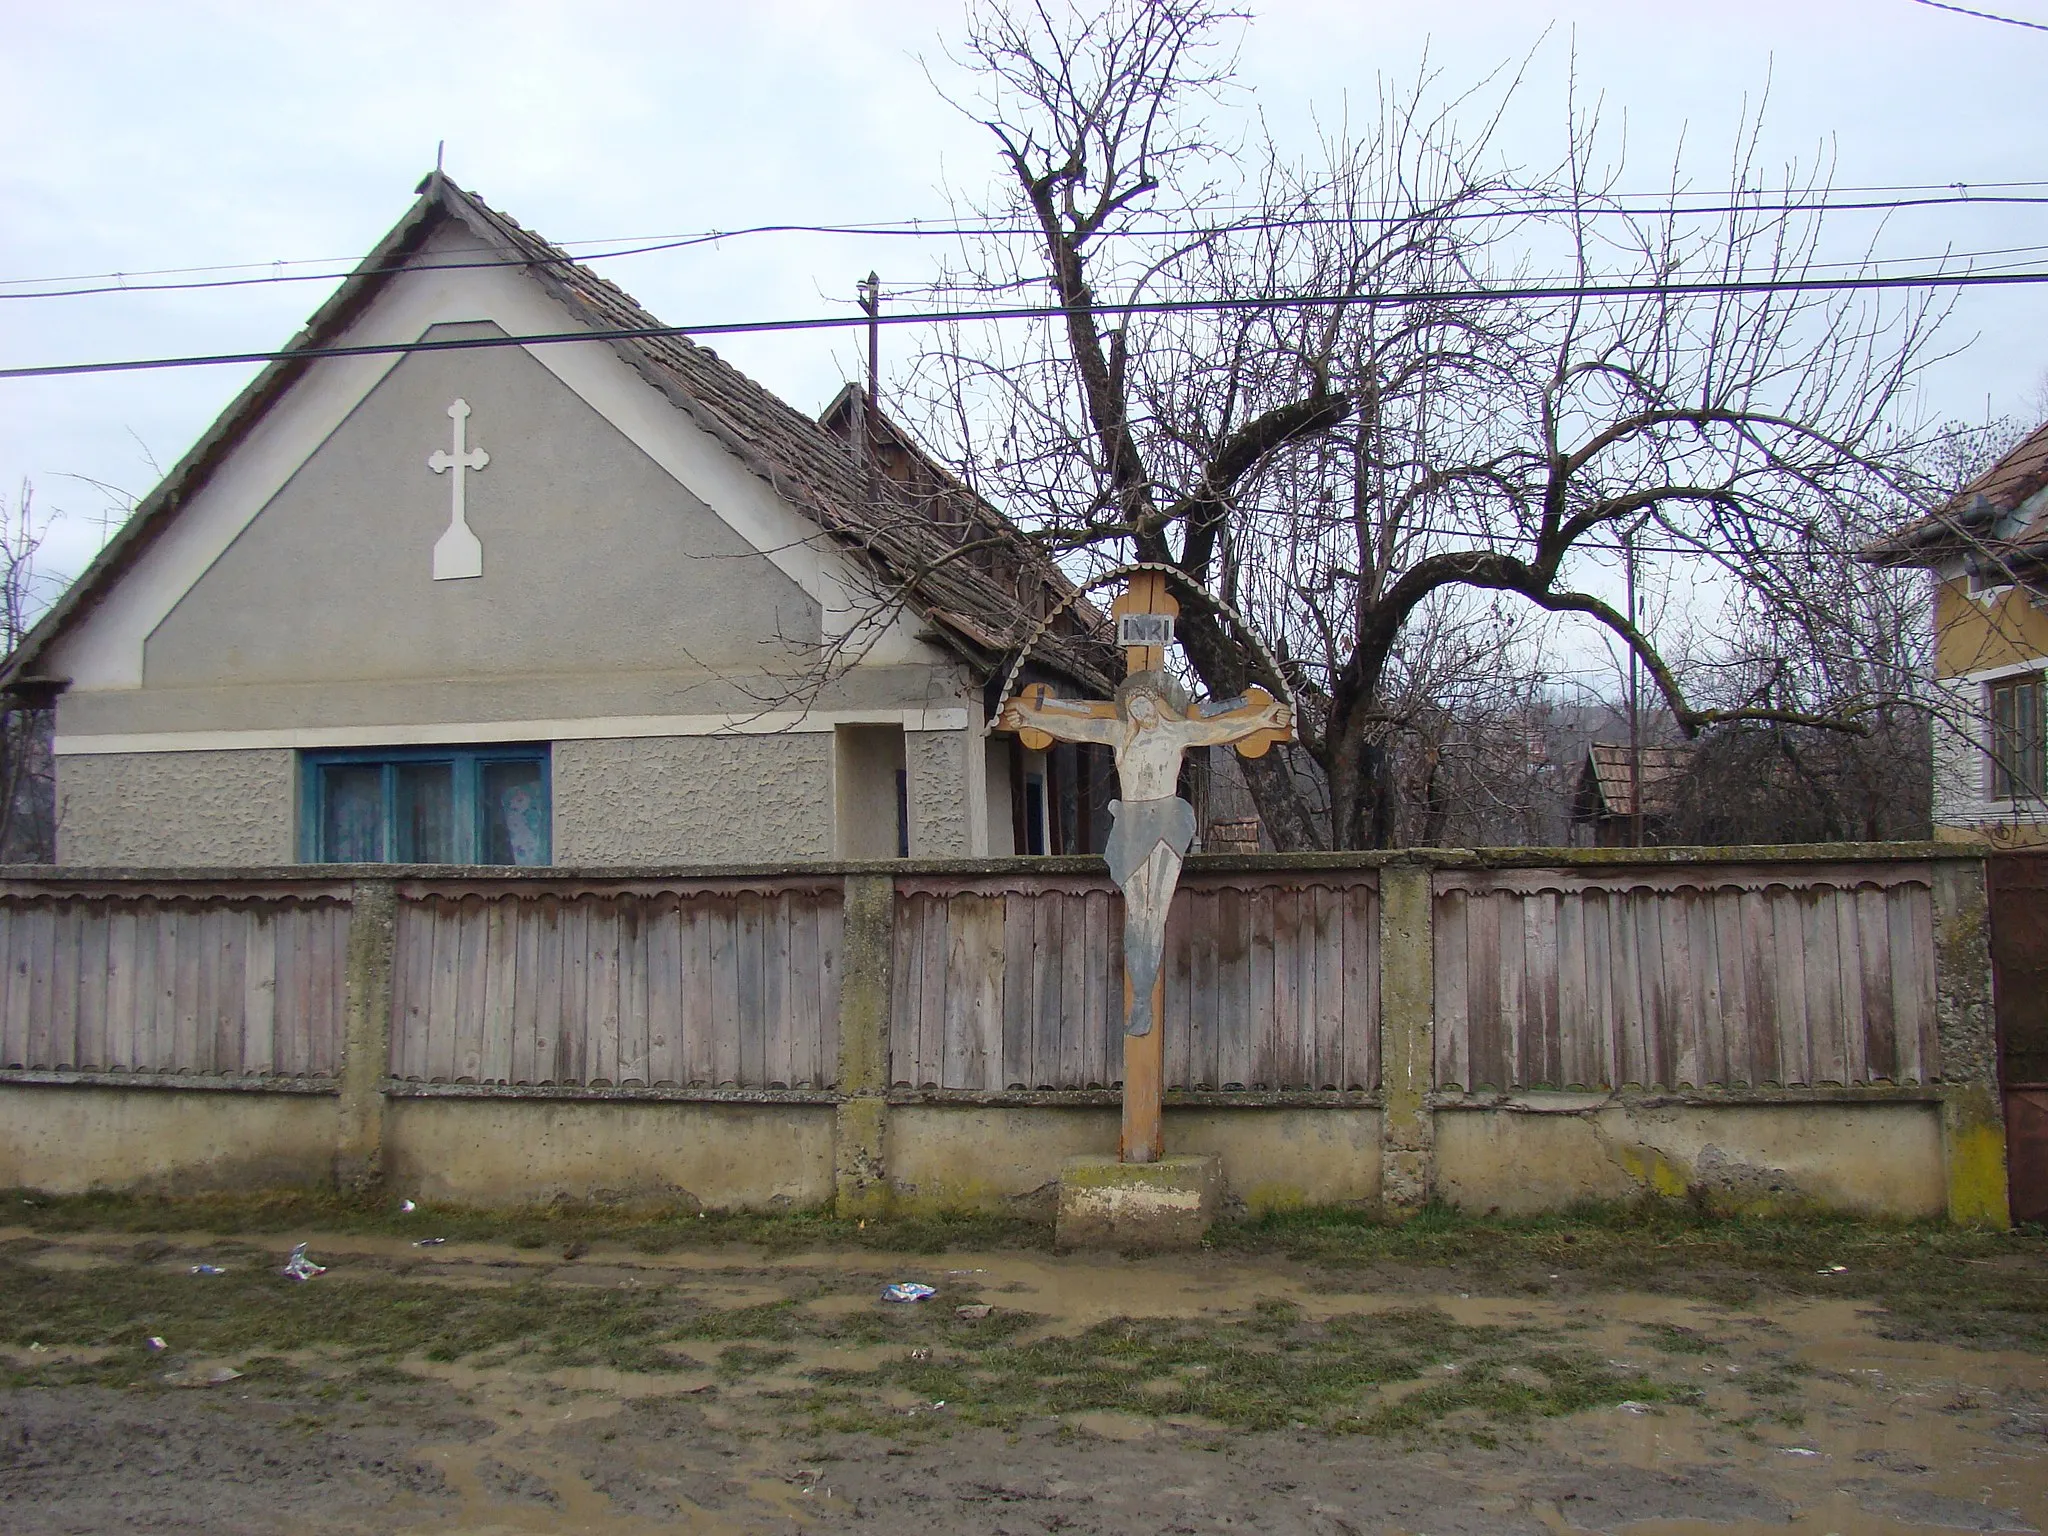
1964	10
118	282
1525	292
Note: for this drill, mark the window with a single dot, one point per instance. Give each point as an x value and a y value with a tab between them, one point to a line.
426	805
2018	741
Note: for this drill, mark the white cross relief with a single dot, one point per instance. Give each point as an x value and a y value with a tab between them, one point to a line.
458	552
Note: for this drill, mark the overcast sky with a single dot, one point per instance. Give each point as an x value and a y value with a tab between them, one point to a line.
167	135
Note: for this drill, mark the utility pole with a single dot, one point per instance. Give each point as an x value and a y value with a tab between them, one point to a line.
1635	715
871	306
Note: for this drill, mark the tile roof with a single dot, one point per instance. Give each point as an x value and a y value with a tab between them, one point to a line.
899	531
1979	518
979	607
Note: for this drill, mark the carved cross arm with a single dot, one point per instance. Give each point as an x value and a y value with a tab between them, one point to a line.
1040	717
1251	722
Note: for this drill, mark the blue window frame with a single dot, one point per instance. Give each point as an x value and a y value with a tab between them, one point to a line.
426	805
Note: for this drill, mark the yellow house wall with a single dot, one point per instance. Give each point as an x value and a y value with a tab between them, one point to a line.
1971	635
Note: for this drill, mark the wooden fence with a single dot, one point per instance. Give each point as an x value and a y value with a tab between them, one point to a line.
1270	984
1727	977
699	985
1666	973
216	982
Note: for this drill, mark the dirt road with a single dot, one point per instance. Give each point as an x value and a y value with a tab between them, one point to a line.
485	1387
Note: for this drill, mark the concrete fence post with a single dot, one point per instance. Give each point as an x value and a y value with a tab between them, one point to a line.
1407	1036
1972	1112
860	1177
366	1038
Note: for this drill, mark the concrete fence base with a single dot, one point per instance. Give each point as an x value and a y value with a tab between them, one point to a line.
866	1145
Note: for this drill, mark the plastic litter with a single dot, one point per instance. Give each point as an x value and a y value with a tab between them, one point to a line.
975	1313
1632	1406
207	1269
1833	1269
429	1242
157	1344
407	1207
908	1290
1796	1450
197	1376
299	1267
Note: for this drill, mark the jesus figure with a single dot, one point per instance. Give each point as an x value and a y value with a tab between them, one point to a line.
1149	725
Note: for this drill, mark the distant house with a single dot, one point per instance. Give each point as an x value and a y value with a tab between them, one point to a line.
1604	804
1988	550
583	601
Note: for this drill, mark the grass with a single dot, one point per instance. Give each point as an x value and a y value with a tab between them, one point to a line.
1937	1282
1404	1371
1389	1372
563	1224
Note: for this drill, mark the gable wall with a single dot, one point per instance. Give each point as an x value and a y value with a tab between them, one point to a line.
644	598
595	559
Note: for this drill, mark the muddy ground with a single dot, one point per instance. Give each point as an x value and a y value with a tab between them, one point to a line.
1314	1381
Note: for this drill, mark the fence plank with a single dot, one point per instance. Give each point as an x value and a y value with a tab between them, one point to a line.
1102	1035
601	991
635	1042
808	1066
548	992
519	1050
90	1008
259	994
1047	978
1205	999
700	1058
121	1009
1018	1021
41	960
1074	1054
775	1070
1874	986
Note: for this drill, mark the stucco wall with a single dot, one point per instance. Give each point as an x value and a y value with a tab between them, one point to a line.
1871	1159
170	808
594	557
517	1152
1867	1159
939	802
691	799
68	1140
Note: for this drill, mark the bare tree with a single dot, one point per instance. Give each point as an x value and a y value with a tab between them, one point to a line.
1316	406
28	820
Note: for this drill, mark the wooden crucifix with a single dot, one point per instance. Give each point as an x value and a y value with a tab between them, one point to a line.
1148	725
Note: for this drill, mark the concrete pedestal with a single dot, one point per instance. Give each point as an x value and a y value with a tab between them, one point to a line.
1148	1207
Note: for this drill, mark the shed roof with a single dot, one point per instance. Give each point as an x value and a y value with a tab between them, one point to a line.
1607	783
889	526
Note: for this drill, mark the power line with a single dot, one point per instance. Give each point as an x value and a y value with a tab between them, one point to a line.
1964	10
1961	187
119	282
1563	292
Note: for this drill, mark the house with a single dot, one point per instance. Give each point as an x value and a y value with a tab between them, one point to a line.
1604	806
425	593
1988	550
